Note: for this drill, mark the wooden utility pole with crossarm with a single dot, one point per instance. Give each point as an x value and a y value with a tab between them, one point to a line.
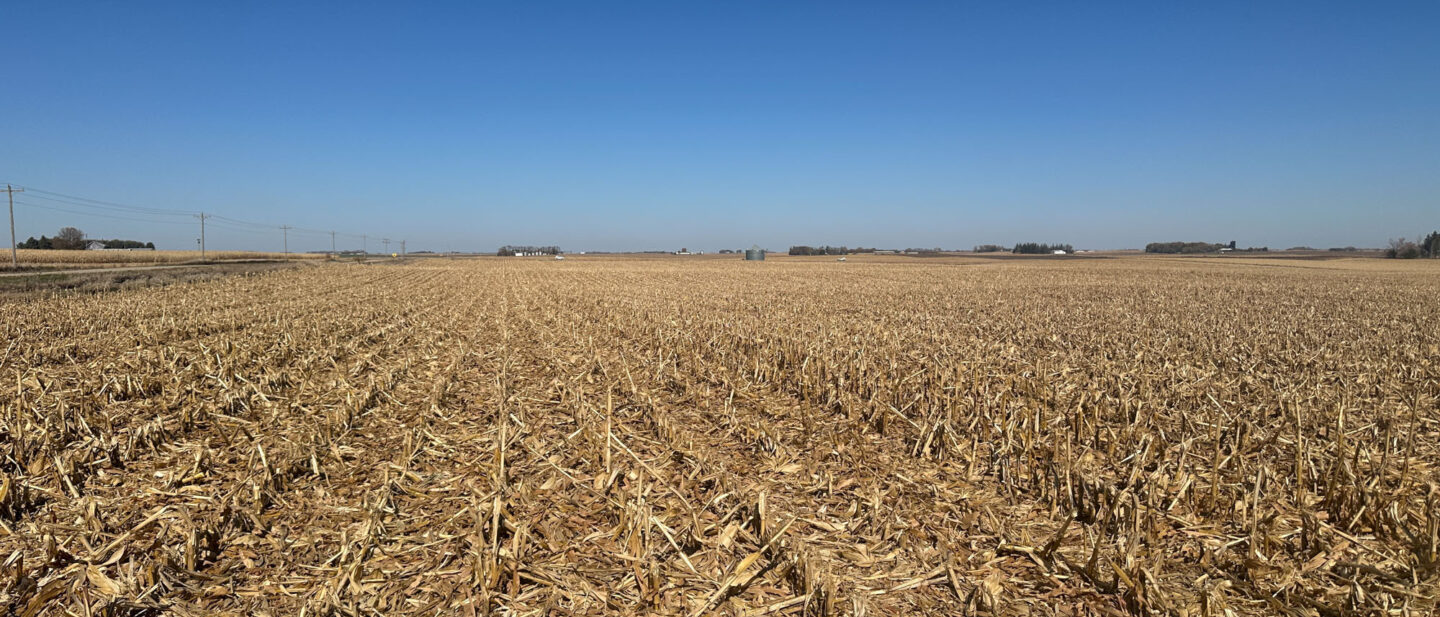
14	261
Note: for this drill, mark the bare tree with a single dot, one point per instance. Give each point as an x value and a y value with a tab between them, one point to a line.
1400	248
69	238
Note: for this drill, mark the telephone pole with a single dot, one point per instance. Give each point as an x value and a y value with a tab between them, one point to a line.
14	261
285	229
202	216
332	243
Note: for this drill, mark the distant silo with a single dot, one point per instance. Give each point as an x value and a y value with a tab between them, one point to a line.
755	253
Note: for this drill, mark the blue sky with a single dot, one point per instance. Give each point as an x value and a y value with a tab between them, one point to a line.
616	125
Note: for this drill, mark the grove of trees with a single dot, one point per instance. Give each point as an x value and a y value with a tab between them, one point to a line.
1034	248
72	239
821	250
1186	247
127	244
1428	246
32	243
69	239
511	251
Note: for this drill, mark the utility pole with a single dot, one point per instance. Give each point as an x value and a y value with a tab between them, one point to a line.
402	248
286	230
364	245
386	242
14	261
332	243
202	217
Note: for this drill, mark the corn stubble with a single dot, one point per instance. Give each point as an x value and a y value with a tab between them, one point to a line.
714	437
49	257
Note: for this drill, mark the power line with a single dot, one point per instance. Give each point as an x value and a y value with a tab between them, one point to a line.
95	214
246	223
81	204
266	231
267	227
307	230
111	204
146	214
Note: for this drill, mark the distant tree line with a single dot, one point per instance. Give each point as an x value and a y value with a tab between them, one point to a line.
127	244
1187	248
47	243
989	248
1427	247
820	250
1191	248
68	239
1034	248
511	251
72	239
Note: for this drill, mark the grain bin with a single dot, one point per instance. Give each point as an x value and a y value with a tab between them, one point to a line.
755	253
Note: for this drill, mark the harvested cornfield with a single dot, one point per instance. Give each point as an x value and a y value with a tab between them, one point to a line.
675	437
46	257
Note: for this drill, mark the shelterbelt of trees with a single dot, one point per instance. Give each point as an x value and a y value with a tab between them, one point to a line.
513	250
1187	247
1040	248
72	239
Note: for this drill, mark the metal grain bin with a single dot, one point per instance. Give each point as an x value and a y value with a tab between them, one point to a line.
755	253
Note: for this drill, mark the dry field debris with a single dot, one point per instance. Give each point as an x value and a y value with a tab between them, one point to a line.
669	437
47	257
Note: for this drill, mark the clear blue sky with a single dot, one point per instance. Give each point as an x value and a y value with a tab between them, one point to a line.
618	125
